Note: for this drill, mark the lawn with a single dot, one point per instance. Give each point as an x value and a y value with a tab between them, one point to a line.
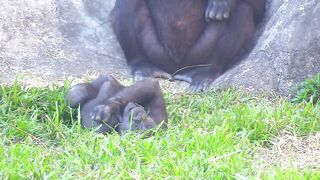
213	135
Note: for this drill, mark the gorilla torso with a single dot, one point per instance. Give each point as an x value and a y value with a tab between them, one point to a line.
188	40
175	22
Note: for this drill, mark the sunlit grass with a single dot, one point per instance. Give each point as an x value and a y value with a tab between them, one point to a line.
210	135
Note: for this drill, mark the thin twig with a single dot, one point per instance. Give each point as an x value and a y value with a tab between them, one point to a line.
29	134
215	159
192	66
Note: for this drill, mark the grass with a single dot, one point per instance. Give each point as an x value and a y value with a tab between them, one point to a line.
309	90
211	135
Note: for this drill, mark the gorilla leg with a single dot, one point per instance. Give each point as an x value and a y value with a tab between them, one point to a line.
135	33
259	9
92	113
82	93
89	96
221	45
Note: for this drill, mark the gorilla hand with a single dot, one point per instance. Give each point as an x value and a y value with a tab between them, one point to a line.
219	9
135	118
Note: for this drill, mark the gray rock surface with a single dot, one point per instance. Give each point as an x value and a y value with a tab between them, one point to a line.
287	52
47	41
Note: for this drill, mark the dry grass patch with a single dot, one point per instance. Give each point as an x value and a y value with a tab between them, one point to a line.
289	151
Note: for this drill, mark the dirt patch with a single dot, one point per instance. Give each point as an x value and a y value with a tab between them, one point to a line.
289	151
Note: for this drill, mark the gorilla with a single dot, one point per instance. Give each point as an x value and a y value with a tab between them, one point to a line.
107	105
189	40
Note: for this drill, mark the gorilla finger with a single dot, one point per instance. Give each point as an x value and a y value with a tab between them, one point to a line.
205	86
162	75
213	13
226	15
182	78
97	116
219	16
199	88
207	13
106	114
213	10
226	10
221	11
192	89
139	77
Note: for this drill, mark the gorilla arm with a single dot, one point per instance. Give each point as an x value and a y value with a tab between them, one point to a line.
147	93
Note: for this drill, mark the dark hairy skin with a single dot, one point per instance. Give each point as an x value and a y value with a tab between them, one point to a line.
107	105
188	40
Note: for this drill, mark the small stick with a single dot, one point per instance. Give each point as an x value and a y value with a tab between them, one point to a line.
215	159
27	133
193	66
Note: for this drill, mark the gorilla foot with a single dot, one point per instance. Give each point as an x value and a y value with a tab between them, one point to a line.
199	81
135	118
106	114
147	71
135	112
218	10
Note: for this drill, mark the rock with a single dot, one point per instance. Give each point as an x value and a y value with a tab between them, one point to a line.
287	52
50	40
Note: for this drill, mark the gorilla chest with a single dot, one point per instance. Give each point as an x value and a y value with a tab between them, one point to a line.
178	23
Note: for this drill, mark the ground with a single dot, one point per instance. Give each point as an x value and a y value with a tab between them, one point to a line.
221	134
217	134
